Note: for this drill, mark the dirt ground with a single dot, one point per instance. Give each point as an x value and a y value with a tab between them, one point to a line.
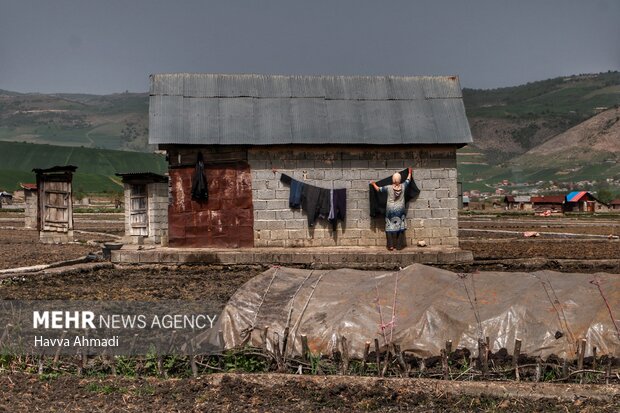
139	284
21	248
286	393
273	392
487	245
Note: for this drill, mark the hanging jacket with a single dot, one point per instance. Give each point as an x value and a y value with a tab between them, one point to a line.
314	202
338	206
200	191
378	199
294	199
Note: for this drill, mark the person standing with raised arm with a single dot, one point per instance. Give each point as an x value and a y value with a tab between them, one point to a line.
395	212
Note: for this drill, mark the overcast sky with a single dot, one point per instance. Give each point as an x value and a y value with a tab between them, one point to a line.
107	46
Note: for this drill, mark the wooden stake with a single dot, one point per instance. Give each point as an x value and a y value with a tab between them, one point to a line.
285	342
57	355
444	364
401	360
266	338
582	352
515	358
160	366
593	357
378	357
220	337
305	351
345	354
365	359
608	372
387	361
565	368
538	370
482	357
445	360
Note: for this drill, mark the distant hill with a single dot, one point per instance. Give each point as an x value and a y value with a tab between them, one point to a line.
510	127
118	121
508	123
96	167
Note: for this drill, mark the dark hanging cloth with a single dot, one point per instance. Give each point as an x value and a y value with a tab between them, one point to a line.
199	181
338	206
378	199
294	199
314	202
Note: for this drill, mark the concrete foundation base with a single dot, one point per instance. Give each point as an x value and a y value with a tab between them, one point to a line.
52	237
328	257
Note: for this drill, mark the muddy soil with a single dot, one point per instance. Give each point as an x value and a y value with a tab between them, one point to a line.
138	284
21	248
559	249
287	393
560	226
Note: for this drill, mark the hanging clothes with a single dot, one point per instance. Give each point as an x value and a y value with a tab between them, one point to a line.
338	206
378	199
200	191
315	203
294	199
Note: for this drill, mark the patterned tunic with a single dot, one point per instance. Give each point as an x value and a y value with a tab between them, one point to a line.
395	211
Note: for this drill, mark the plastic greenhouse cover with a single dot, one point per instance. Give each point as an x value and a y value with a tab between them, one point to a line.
420	307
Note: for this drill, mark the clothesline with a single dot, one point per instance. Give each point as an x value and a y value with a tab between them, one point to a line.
316	202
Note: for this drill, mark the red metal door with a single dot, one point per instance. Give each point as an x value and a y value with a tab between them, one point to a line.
224	221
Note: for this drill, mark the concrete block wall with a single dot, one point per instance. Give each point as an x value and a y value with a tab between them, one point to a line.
157	210
433	217
31	208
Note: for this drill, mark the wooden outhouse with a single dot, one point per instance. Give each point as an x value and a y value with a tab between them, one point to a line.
146	207
55	204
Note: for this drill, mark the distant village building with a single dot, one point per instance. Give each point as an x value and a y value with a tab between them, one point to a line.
55	203
548	202
615	205
584	201
31	205
330	132
518	202
146	207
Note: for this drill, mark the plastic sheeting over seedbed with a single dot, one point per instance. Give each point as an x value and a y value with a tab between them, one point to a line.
420	307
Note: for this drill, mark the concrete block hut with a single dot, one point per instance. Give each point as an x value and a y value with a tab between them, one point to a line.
55	203
146	207
327	131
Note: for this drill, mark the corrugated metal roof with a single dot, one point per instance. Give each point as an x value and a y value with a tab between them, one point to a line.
269	109
575	196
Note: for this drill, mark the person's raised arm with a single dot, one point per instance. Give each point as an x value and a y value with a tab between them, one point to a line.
410	173
374	185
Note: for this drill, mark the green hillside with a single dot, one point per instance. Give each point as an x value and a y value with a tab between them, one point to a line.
96	167
507	122
117	121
